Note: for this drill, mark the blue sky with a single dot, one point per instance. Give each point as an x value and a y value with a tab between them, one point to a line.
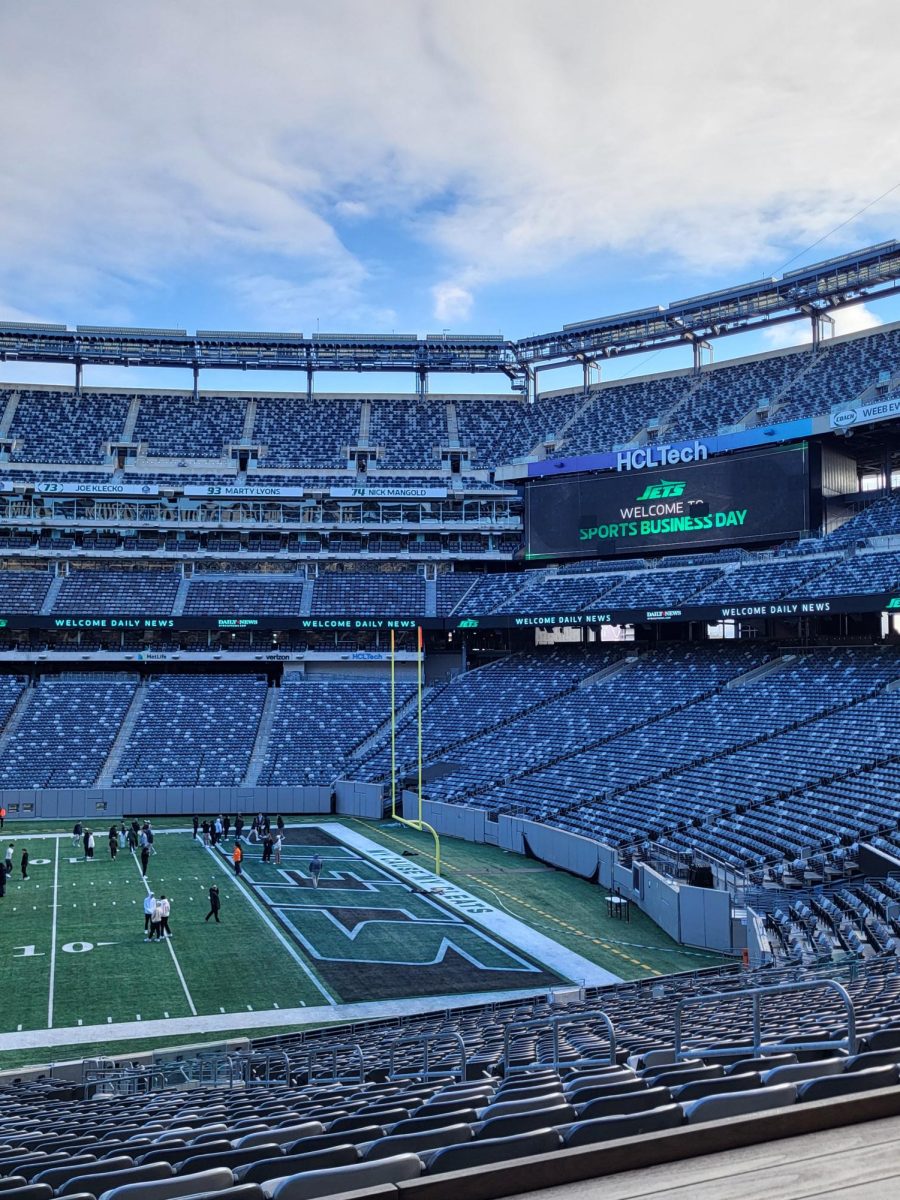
418	165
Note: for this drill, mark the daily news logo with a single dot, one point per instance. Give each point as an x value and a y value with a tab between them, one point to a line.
664	490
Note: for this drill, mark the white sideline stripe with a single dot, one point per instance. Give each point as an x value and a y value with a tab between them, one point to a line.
271	924
225	1023
169	944
53	937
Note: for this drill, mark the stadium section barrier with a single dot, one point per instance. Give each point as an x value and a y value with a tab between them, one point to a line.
693	916
78	803
355	799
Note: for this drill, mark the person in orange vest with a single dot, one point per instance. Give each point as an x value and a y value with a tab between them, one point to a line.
236	857
2	816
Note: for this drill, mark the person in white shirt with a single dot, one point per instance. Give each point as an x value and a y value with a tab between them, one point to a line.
164	909
279	842
149	906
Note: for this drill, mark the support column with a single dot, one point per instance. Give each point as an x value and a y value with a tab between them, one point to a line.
196	372
309	383
422	383
819	320
78	367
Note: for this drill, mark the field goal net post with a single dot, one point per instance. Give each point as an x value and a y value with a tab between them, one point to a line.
418	823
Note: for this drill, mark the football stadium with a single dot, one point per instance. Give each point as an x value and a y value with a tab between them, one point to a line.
421	780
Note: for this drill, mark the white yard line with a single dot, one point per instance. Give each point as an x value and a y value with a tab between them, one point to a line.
53	936
169	944
271	924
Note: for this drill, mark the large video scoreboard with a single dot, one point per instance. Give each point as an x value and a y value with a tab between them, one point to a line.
756	497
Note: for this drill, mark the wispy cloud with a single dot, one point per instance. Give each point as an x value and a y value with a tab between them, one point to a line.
243	146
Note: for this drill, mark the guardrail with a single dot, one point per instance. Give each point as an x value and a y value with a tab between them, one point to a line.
428	1041
757	996
553	1026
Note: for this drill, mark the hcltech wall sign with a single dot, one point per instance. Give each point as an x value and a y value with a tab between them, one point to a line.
647	457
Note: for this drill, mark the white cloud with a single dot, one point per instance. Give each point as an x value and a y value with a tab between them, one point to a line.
853	319
219	142
352	210
451	302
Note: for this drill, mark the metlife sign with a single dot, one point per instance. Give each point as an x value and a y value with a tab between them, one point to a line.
849	415
754	497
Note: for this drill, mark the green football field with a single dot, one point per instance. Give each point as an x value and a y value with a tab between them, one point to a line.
73	939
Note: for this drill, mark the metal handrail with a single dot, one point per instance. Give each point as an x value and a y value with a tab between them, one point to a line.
428	1041
331	1051
127	1081
553	1024
757	996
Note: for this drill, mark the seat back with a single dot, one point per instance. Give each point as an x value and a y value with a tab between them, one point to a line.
801	1071
220	1179
97	1182
294	1164
483	1153
847	1083
630	1102
606	1129
312	1184
424	1139
228	1158
283	1136
738	1104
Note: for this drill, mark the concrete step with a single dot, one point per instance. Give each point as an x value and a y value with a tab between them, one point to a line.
181	597
123	737
263	735
50	598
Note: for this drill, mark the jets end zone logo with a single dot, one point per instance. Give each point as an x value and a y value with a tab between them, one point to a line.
664	490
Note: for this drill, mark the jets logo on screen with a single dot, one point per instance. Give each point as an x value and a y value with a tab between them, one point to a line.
894	603
663	490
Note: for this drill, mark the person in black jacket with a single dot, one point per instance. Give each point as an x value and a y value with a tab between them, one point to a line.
25	863
196	824
214	904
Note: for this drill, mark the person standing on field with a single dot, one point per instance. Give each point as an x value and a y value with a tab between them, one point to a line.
164	909
10	849
25	863
149	906
196	823
89	847
279	842
237	857
113	842
145	859
315	869
238	826
214	904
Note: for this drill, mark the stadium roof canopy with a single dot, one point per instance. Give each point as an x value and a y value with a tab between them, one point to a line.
810	292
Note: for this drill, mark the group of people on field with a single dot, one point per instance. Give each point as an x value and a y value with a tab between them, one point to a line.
120	837
215	832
